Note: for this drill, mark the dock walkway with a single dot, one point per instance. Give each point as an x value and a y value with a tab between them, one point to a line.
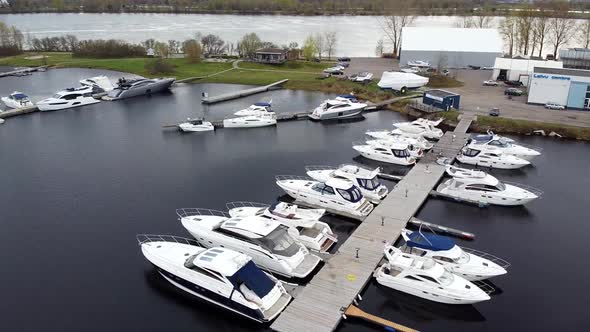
22	71
241	93
17	111
319	306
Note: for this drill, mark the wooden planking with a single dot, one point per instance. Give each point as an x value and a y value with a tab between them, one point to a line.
241	93
18	111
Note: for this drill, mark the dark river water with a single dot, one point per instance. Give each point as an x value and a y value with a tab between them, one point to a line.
77	185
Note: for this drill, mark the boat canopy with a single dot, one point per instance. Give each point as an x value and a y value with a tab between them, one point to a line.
430	241
262	104
482	138
347	96
256	280
19	96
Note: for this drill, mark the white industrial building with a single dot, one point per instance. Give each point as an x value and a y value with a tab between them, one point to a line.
568	87
451	47
520	69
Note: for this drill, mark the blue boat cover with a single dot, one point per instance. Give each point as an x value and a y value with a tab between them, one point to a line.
482	138
19	96
256	280
430	241
348	96
262	104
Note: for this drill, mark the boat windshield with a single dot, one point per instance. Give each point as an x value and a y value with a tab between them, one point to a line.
401	153
352	194
56	96
501	186
370	184
499	142
280	242
446	278
463	259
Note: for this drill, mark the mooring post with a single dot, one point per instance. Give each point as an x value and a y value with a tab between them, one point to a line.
357	252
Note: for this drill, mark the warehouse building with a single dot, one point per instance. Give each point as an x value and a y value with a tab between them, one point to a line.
577	58
450	47
520	69
568	87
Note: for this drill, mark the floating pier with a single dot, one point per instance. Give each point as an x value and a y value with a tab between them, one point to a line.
22	71
18	111
242	93
353	311
322	302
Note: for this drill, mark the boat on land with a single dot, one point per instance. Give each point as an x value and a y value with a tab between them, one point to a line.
343	106
468	263
388	135
196	125
255	109
17	100
425	278
391	153
128	88
489	157
303	223
363	76
68	98
223	277
420	127
268	242
478	186
365	179
337	196
507	146
400	81
252	121
419	64
100	84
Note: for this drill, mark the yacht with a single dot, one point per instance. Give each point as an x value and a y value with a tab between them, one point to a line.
415	151
220	276
425	278
343	106
488	157
304	223
69	98
478	186
255	109
388	135
470	264
420	127
127	88
17	100
268	242
100	84
391	153
335	195
365	179
194	125
252	121
506	146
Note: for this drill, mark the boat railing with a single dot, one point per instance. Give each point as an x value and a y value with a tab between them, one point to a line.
532	189
293	177
378	131
146	238
485	286
241	204
187	212
320	168
501	262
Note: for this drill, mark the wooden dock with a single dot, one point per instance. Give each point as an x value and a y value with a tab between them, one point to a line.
375	106
22	71
322	302
18	111
241	93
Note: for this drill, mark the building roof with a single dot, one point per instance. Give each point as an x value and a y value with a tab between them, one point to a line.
440	93
563	71
451	39
271	51
525	64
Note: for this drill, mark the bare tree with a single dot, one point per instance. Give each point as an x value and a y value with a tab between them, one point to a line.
482	20
524	23
320	45
464	22
540	31
509	33
393	25
330	39
583	37
560	31
379	48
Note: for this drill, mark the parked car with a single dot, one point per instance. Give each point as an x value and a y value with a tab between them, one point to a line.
490	83
343	64
474	67
344	59
554	106
513	83
336	70
494	112
513	92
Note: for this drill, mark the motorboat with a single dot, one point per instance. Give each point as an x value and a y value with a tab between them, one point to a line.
400	81
343	106
363	76
478	186
100	84
127	88
252	121
2	121
420	127
506	146
415	151
388	135
412	70
391	153
335	195
488	157
470	264
194	125
69	98
337	70
303	223
17	100
419	64
425	278
268	242
223	277
365	179
255	109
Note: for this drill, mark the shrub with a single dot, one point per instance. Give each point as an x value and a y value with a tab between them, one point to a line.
108	49
159	66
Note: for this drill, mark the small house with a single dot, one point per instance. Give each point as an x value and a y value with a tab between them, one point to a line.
270	55
445	100
150	52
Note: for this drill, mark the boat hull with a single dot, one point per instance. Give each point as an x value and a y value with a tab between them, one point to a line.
368	153
195	128
58	105
239	123
147	90
13	104
335	115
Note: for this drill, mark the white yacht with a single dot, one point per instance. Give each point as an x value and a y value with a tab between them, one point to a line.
391	153
17	100
303	223
400	81
425	278
490	157
478	186
420	127
255	109
335	195
343	106
268	242
509	147
195	125
365	179
251	121
220	276
470	264
99	83
388	135
69	98
415	151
